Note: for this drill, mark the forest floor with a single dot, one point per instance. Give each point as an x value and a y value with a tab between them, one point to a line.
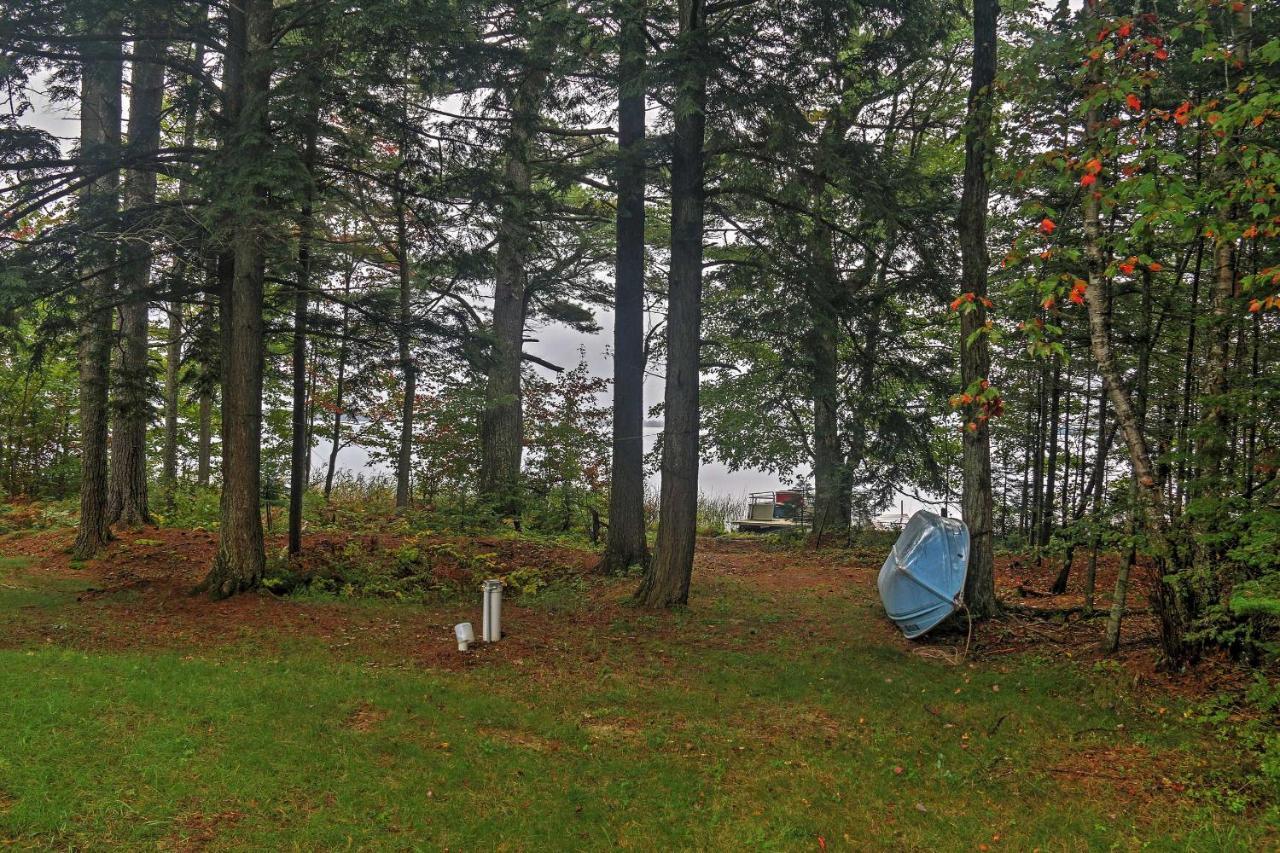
780	710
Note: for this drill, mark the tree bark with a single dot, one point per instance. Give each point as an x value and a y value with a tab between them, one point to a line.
627	545
666	582
975	356
502	423
1098	300
1218	421
824	295
127	498
241	557
100	102
829	479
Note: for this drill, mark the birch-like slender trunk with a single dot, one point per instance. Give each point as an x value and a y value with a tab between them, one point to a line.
300	450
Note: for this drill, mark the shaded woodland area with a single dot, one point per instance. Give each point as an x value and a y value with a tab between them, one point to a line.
284	286
1022	260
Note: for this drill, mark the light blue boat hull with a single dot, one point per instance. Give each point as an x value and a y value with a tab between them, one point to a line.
922	581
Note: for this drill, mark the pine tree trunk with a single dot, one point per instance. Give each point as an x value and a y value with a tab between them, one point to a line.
127	498
666	582
975	355
501	426
830	507
829	519
823	293
858	414
241	557
626	545
100	103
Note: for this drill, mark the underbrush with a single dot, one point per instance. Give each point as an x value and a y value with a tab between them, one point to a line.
21	516
425	569
1249	721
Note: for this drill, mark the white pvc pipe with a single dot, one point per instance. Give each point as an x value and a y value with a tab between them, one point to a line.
492	624
466	635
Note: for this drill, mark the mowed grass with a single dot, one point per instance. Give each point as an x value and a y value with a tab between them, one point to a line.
744	731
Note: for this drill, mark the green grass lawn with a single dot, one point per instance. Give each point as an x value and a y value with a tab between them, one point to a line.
731	727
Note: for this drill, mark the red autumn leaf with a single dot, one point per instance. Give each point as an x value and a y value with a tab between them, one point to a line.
1162	54
1124	31
1155	266
1088	180
1047	225
1134	102
1094	166
1255	306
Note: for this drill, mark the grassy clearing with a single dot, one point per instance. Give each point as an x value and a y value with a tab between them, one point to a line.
761	717
20	589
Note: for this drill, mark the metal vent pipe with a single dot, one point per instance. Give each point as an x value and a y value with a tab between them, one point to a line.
492	624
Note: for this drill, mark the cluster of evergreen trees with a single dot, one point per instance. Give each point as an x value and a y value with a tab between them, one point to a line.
293	230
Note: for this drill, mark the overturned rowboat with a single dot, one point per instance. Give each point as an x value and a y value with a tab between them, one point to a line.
922	581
